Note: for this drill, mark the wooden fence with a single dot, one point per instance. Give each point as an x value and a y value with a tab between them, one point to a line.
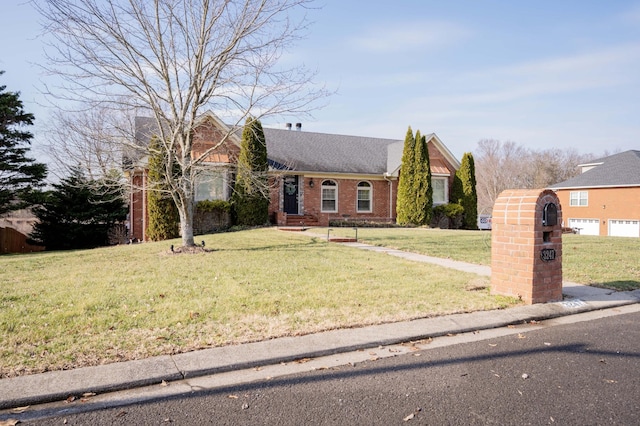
12	241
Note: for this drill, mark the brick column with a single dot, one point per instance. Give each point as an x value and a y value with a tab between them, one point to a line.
526	255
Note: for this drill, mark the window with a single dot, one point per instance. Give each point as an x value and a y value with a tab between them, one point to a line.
329	196
579	198
440	192
210	185
364	197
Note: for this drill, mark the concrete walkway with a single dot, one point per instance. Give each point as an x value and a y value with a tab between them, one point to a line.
59	385
447	263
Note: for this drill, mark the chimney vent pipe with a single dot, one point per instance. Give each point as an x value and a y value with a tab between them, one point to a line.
298	126
288	126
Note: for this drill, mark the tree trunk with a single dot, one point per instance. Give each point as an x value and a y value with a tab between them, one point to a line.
186	223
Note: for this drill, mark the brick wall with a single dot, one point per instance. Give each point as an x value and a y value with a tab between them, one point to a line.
436	157
206	136
311	201
518	237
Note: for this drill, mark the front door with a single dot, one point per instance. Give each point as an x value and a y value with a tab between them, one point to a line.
290	194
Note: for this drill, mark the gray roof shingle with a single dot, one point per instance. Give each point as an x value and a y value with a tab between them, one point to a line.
304	151
327	153
621	169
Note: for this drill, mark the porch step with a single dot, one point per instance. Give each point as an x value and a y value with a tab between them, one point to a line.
302	220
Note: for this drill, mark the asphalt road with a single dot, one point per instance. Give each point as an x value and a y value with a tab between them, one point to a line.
585	373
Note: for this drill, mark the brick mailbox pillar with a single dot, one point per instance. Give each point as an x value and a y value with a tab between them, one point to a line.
526	245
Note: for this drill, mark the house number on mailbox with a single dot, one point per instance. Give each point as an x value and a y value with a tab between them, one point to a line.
547	255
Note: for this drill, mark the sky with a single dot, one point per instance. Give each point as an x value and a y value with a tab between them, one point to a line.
545	74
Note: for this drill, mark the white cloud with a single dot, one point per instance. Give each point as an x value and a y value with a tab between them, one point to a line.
571	74
561	101
397	37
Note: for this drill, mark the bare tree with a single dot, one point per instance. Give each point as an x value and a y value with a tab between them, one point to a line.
507	165
553	166
90	139
173	60
498	167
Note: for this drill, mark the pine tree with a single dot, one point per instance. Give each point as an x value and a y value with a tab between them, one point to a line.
464	192
423	190
405	201
251	191
163	213
78	214
20	175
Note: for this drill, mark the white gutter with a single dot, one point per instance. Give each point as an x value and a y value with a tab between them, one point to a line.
386	176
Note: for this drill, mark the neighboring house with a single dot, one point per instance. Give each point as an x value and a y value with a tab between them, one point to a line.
605	198
316	178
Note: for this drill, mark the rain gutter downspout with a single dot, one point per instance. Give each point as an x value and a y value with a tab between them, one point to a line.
386	176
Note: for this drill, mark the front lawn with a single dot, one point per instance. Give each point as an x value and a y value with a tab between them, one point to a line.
63	310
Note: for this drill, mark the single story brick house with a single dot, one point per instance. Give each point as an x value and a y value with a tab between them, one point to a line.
605	198
316	178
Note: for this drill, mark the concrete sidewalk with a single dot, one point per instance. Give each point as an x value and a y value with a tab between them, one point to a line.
59	385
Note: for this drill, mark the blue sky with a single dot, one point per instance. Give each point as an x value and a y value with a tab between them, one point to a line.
543	74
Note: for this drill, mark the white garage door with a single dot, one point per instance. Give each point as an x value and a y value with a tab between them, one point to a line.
624	228
586	226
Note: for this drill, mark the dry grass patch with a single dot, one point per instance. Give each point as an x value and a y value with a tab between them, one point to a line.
68	309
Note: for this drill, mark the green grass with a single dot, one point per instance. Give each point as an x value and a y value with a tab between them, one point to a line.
609	262
67	309
465	246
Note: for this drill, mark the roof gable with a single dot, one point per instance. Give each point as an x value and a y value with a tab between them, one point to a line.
147	127
621	169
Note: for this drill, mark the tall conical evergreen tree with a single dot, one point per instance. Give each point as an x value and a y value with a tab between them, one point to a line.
422	183
405	201
464	191
251	196
417	214
164	222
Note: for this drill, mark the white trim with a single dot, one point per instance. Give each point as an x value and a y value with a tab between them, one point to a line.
579	199
445	151
369	189
446	189
332	175
335	188
206	177
585	188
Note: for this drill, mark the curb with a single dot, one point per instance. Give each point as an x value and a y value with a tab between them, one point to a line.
60	385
